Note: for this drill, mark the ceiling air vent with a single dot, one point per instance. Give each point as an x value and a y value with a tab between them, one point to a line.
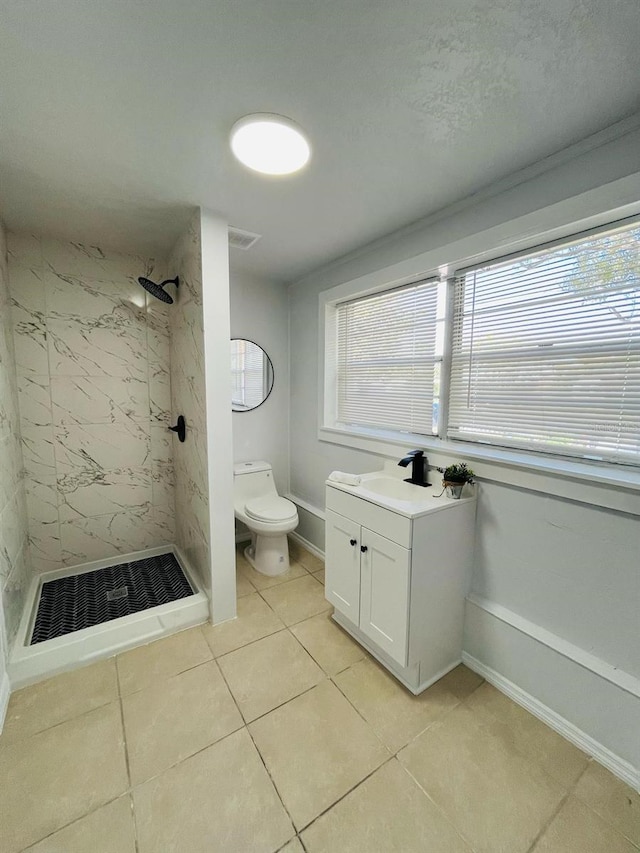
239	239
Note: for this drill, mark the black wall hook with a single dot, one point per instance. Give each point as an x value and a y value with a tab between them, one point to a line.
180	428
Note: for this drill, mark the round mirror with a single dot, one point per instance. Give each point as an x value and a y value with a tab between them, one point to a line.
251	375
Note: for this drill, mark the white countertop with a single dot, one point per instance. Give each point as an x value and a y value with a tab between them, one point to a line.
387	489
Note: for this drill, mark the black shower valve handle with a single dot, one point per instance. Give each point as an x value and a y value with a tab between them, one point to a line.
180	428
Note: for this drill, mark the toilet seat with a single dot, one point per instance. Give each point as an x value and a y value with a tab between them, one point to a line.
271	508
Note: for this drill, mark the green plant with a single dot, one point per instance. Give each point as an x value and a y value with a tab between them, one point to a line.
457	473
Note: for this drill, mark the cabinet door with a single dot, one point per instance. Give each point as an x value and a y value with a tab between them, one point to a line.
384	596
342	565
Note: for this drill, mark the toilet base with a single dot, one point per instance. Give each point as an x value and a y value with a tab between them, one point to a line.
268	555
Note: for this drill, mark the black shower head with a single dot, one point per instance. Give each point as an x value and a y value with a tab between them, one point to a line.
158	290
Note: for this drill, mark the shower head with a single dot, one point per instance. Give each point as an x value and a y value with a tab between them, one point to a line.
158	290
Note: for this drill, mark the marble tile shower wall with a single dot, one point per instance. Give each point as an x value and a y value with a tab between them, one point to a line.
92	359
15	570
188	398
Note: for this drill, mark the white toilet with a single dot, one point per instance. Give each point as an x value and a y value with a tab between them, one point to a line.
268	516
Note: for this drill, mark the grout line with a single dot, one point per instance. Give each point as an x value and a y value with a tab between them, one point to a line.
572	789
135	821
255	746
272	780
502	720
392	754
180	761
251	643
315	660
346	794
74	821
390	757
124	730
235	701
606	820
286	702
430	725
21	738
548	823
168	677
311	616
439	809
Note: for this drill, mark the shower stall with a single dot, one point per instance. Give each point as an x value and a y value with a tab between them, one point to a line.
116	507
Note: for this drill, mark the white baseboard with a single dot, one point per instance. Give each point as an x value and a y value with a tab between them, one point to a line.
585	659
5	692
618	766
308	545
314	510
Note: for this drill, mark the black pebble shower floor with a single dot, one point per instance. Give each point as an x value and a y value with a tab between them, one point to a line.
80	601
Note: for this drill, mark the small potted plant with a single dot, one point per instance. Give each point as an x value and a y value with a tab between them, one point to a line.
454	478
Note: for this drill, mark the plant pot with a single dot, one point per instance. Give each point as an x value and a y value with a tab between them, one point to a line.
453	490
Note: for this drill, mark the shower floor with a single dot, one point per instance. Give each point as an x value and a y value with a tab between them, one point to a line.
71	603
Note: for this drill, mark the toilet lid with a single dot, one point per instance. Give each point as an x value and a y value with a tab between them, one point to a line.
271	508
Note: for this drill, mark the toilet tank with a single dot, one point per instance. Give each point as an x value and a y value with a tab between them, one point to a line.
252	480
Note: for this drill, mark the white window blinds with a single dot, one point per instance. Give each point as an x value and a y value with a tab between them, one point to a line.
385	359
546	350
248	374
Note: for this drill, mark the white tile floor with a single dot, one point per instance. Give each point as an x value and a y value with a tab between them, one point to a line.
277	732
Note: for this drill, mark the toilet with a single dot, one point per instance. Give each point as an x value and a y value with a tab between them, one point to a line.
268	516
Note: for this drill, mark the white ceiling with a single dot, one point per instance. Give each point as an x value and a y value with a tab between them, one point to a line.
115	115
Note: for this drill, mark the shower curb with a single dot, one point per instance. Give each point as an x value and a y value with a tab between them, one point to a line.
31	663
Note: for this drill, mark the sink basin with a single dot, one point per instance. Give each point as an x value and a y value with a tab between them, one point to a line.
398	490
386	489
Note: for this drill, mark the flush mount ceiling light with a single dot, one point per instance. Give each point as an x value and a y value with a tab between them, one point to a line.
271	144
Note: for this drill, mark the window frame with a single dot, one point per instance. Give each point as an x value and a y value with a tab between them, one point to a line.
594	211
549	246
332	337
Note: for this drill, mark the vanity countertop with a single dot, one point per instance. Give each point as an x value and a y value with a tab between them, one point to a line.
387	489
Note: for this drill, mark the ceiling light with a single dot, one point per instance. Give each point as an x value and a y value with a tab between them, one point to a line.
271	144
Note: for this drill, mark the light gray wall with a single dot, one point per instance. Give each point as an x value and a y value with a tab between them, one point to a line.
566	566
15	569
93	380
259	312
188	398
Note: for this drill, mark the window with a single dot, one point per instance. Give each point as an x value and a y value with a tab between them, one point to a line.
384	354
546	350
538	352
248	375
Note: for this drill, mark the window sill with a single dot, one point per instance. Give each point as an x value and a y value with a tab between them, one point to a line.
612	486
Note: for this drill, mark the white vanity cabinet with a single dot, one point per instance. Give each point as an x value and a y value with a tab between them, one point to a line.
397	575
369	582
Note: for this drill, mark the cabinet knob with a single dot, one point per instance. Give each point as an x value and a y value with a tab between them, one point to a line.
352	542
363	548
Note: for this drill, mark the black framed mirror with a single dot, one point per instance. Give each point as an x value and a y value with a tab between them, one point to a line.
251	375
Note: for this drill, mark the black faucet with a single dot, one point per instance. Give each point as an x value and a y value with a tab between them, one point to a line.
418	467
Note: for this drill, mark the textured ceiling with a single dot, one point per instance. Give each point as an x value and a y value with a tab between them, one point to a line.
115	115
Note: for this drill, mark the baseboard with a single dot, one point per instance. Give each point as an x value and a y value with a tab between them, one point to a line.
314	510
306	544
585	659
618	766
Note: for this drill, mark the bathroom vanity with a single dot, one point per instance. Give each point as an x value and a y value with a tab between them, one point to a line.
397	570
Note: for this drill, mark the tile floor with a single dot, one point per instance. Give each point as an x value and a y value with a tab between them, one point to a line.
277	732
